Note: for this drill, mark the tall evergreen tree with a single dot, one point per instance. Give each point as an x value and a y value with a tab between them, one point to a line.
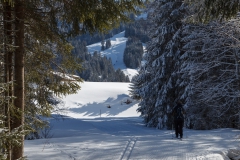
108	43
207	10
103	45
211	68
158	91
133	52
138	29
134	86
38	35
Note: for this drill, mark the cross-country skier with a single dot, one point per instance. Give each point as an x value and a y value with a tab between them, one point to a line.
178	112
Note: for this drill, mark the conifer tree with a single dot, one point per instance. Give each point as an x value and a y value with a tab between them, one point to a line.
37	39
134	86
207	10
158	91
211	68
133	53
103	45
108	43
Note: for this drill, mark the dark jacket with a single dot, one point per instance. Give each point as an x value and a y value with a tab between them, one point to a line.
178	112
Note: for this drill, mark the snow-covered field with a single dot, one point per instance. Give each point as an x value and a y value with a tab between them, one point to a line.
92	131
115	52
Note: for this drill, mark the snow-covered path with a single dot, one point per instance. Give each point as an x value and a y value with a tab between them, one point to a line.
91	131
128	139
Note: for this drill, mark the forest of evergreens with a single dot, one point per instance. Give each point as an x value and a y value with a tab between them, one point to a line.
192	55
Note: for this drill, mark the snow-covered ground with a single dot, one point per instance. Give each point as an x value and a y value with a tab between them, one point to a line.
98	125
115	52
92	131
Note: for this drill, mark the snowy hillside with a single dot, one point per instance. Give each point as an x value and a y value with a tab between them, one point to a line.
115	52
94	97
98	124
92	131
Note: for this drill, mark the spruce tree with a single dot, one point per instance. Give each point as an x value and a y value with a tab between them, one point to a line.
211	71
208	10
108	43
133	52
134	87
39	30
159	86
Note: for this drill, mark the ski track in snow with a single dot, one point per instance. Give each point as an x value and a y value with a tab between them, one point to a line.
126	154
127	139
120	134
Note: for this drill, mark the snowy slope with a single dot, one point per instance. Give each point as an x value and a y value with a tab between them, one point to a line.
94	97
115	52
92	131
118	133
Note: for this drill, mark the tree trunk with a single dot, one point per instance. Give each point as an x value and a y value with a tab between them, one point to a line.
7	15
19	76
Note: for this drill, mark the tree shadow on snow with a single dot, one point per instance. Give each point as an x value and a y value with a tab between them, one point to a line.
110	107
